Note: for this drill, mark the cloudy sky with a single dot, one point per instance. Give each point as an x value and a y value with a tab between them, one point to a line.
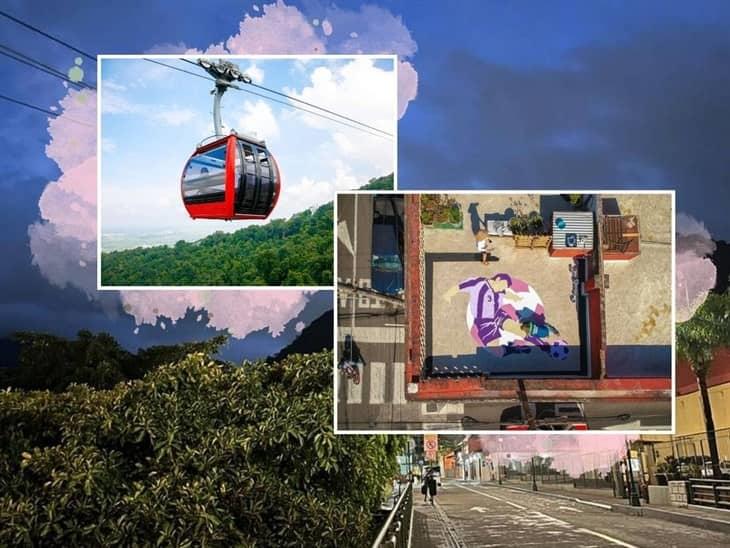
153	116
611	94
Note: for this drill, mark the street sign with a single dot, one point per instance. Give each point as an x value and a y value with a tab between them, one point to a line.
431	445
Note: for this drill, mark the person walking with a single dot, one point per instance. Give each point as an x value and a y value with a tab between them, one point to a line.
432	486
424	487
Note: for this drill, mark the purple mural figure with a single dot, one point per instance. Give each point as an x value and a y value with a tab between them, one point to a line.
506	315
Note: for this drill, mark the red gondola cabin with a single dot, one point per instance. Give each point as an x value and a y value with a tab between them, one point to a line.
229	178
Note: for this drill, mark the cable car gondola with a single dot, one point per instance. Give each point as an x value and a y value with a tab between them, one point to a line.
233	176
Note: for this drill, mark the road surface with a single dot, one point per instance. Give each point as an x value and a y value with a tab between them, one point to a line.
467	514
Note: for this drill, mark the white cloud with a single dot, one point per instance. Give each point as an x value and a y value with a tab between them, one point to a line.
257	120
256	73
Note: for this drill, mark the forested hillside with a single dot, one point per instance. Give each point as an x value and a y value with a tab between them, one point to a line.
379	183
194	452
315	337
296	251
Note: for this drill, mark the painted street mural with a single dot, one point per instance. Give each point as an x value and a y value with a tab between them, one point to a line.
506	315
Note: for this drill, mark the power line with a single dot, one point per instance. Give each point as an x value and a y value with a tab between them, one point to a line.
50	37
288	105
39	109
309	104
34	63
179	69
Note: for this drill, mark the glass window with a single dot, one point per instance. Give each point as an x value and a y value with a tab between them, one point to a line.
204	179
249	159
264	163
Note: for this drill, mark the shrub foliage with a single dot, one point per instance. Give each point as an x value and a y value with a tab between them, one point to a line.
194	453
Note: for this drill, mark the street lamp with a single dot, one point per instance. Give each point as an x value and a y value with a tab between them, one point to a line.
499	462
633	494
534	481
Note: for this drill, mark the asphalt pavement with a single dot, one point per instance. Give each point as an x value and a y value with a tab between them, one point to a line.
468	514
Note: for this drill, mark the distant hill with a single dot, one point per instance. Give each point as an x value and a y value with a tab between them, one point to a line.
315	337
295	251
379	183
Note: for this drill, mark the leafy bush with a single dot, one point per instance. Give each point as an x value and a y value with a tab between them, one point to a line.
522	225
297	251
195	452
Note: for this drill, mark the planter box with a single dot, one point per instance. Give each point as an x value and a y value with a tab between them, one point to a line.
541	241
448	226
532	241
523	241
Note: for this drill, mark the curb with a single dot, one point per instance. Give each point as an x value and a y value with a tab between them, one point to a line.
702	522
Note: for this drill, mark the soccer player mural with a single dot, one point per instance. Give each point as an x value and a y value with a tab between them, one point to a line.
507	316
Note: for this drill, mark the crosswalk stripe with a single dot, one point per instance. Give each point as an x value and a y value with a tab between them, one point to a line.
377	382
399	389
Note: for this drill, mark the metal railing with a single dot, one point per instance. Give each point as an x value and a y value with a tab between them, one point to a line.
396	530
707	492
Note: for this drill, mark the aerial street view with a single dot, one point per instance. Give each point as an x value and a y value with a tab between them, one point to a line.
505	310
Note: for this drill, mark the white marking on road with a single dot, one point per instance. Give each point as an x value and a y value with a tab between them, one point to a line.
570	508
606	537
399	383
596	504
519	507
479	509
377	382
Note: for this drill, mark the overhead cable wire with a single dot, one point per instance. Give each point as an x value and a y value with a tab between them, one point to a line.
34	63
309	104
288	105
40	109
49	36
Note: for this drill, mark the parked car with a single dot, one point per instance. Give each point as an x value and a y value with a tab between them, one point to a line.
549	416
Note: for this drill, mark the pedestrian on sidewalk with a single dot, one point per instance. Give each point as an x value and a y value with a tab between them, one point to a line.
424	487
431	486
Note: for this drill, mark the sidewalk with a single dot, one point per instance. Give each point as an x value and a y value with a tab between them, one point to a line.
695	516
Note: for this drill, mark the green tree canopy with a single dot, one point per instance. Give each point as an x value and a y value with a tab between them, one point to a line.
48	362
297	251
698	338
195	452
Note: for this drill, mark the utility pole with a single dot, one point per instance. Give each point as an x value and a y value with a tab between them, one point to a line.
534	480
633	493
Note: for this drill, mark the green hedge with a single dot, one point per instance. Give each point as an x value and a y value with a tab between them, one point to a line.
195	453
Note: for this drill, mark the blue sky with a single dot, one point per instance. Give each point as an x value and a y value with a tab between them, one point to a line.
509	95
152	118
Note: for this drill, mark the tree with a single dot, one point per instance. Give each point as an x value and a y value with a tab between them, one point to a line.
697	339
48	362
196	451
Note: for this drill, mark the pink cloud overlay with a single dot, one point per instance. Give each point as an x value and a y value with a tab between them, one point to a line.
696	274
573	453
63	242
283	29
